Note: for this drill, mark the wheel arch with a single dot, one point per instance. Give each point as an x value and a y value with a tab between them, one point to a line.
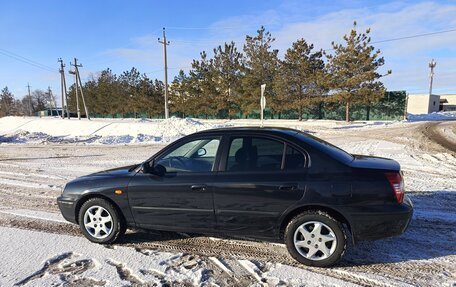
298	210
87	197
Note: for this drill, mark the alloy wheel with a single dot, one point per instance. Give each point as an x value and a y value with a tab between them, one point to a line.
98	222
315	240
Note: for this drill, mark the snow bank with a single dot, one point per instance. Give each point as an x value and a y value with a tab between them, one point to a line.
436	116
137	131
98	131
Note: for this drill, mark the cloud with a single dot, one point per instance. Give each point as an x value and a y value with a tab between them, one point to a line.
319	25
407	58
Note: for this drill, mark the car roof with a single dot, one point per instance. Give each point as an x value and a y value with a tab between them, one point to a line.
252	129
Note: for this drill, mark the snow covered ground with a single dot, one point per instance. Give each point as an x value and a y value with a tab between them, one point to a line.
74	260
436	116
101	131
37	157
136	131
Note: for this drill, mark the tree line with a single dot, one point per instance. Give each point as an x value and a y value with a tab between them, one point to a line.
10	106
226	83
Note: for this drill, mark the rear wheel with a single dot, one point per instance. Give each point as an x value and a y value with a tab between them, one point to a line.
315	238
100	221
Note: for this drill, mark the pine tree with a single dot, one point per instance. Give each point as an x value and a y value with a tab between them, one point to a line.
130	93
353	69
301	81
201	86
227	77
156	98
6	103
180	96
260	67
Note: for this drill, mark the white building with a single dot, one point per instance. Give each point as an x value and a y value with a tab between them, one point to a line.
448	102
426	104
422	104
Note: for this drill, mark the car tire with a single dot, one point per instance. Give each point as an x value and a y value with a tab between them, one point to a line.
100	221
314	238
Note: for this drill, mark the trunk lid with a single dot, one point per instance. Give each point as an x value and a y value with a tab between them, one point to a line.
373	162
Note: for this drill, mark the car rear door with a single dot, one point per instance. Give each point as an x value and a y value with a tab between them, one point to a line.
255	185
182	198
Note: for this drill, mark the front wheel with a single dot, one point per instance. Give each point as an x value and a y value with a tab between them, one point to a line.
314	238
100	221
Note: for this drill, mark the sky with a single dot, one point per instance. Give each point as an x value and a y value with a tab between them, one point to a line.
123	34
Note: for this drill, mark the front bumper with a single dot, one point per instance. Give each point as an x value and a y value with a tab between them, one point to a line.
376	225
67	207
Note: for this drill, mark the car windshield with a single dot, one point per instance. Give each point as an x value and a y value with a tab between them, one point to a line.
327	148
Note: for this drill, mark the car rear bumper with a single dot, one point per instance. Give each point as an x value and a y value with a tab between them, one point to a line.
376	225
66	207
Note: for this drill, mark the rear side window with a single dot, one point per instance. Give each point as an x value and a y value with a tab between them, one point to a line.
294	159
254	154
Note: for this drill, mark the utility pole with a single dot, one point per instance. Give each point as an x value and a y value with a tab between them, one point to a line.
30	100
165	43
76	92
80	87
64	90
432	65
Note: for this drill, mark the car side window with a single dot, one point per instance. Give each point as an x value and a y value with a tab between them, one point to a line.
254	154
294	159
193	156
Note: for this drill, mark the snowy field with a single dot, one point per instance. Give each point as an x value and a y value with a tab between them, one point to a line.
148	131
37	157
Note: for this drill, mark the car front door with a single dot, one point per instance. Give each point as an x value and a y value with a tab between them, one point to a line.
259	179
182	198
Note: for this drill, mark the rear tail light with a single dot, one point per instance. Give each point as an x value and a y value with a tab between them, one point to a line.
397	183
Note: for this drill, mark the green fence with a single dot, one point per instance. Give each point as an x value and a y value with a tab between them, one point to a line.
390	107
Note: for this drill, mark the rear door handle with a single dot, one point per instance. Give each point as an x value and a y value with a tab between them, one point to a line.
198	187
288	187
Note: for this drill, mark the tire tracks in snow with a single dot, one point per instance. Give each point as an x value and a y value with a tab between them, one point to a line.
233	253
432	131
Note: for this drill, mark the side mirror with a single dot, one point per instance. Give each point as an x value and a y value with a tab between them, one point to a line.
159	170
202	151
150	167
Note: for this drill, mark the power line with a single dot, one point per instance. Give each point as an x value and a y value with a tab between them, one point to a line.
169	68
414	36
25	60
218	28
204	42
408	37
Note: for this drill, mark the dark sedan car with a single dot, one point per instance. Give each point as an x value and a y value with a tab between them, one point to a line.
266	183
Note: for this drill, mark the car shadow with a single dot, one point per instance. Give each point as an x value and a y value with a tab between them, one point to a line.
150	236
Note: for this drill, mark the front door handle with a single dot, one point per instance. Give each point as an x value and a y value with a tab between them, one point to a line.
199	187
288	187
